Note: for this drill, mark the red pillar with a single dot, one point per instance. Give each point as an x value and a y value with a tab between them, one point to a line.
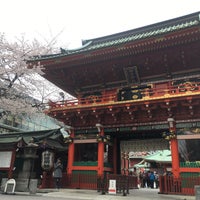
10	172
123	166
71	152
100	150
127	163
174	148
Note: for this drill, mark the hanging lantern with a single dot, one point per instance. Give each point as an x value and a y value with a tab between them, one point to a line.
47	160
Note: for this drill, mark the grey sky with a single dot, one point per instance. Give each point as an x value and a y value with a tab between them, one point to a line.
74	20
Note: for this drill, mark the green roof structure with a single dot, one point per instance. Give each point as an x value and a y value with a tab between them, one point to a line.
53	138
163	156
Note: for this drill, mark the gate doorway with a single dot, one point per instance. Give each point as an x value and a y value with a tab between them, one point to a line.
135	150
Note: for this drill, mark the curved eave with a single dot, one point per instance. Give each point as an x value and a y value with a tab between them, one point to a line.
164	26
12	138
10	142
123	39
128	48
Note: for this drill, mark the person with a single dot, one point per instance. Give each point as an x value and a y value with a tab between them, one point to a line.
57	173
145	179
156	179
152	179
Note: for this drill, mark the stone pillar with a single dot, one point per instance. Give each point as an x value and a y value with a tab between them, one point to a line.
29	156
25	176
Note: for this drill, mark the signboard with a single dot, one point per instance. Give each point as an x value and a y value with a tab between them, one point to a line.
5	158
112	187
144	145
10	186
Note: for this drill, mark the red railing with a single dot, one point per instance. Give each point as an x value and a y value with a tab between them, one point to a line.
122	180
145	94
167	184
82	181
182	185
96	182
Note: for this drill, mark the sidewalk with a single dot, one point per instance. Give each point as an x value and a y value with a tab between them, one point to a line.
136	194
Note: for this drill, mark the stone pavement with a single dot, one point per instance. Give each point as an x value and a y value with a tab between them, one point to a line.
136	194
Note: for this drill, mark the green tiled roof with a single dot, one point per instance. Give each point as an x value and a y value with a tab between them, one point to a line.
142	35
132	35
9	140
52	137
160	157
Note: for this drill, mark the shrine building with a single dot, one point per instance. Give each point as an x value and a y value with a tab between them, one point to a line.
134	92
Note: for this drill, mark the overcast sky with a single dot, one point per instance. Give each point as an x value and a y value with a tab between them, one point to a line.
73	20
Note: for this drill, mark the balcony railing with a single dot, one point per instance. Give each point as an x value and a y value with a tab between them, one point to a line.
139	95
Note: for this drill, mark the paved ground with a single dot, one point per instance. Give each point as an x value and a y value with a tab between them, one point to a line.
78	194
136	194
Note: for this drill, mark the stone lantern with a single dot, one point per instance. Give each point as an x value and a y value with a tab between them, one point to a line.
26	181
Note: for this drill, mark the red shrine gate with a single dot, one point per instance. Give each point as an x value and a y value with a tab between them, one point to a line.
133	85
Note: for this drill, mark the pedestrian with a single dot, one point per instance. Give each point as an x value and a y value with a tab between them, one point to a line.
148	179
145	179
57	173
152	179
141	178
156	179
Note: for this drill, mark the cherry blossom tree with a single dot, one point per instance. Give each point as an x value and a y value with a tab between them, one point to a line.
22	89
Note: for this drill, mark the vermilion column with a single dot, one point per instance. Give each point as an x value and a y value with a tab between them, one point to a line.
123	163
71	152
100	150
127	163
174	148
10	172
